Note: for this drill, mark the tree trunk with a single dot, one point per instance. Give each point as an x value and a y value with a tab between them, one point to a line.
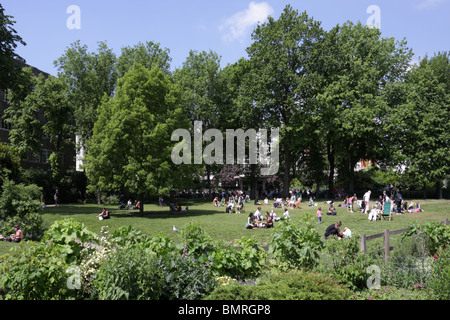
330	156
141	202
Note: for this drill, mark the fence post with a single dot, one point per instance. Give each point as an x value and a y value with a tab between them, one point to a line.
363	247
386	245
445	222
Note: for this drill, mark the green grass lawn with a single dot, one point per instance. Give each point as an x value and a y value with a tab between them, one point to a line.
229	227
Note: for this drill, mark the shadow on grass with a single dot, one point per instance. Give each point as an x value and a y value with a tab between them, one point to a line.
157	212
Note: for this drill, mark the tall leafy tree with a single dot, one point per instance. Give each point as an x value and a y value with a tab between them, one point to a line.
280	79
201	91
421	124
89	76
26	133
131	145
9	39
148	54
355	68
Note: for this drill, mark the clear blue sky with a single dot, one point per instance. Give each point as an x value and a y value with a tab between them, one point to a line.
222	26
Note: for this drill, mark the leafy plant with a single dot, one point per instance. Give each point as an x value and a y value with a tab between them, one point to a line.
439	282
343	260
37	272
185	278
245	260
292	285
438	234
131	274
296	246
70	235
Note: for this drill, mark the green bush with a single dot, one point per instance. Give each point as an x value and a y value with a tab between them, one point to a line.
19	199
185	278
37	272
69	235
128	236
296	246
343	260
196	240
437	233
292	285
243	261
439	281
130	274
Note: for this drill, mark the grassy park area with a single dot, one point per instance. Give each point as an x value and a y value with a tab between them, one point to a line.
229	227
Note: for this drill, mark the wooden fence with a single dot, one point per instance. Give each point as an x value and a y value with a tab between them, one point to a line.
386	234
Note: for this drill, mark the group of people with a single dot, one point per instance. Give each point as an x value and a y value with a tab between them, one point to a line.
255	220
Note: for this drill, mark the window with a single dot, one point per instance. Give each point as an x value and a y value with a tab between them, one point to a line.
5	125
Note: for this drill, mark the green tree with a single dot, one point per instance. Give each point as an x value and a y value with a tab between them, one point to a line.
9	39
131	145
421	124
89	76
279	83
148	54
201	93
26	133
355	68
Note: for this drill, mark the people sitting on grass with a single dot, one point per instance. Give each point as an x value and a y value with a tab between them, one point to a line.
104	215
417	208
311	202
240	205
15	237
223	202
331	210
216	202
269	220
250	222
373	214
286	214
266	201
257	214
230	207
333	230
274	217
347	233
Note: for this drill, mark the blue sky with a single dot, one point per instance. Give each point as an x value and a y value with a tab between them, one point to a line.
222	26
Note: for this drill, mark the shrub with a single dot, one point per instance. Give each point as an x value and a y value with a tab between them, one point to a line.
439	282
70	235
292	285
243	261
130	274
128	236
437	233
296	246
185	278
19	199
196	240
343	260
35	273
